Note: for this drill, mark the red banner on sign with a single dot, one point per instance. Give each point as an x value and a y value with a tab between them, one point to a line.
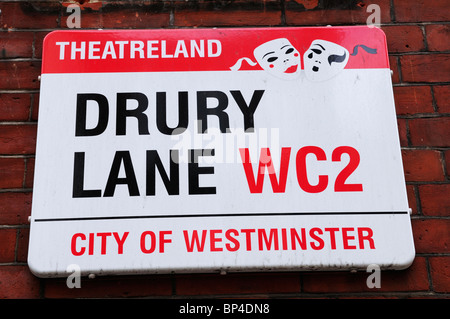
309	49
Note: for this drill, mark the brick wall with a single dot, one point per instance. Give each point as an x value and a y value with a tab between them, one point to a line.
418	34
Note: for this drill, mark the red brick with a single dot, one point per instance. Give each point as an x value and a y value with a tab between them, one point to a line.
421	10
111	287
7	245
402	132
404	38
18	139
431	235
413	278
256	283
29	173
17	282
235	18
15	208
29	15
35	108
19	74
425	68
38	42
333	13
307	4
11	172
233	13
14	106
393	65
430	131
438	37
413	100
435	199
124	14
447	162
22	245
440	273
422	165
410	189
442	96
131	18
83	4
89	19
16	44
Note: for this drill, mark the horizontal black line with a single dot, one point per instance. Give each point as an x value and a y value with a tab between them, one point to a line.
216	215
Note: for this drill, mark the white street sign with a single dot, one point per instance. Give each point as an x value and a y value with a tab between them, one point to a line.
211	150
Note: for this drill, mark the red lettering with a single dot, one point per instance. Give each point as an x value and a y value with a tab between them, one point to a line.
120	241
232	239
265	160
163	240
320	243
294	237
368	237
144	248
73	244
340	185
284	238
104	236
273	237
91	243
346	237
248	238
79	251
213	239
255	183
332	236
194	242
302	175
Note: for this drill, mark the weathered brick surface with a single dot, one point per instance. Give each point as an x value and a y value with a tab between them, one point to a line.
421	10
422	165
433	132
417	35
425	68
411	100
435	200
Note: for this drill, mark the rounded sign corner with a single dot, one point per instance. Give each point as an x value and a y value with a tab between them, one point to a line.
36	269
380	31
409	261
50	35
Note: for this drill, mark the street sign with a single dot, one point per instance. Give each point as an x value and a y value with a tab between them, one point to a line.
211	150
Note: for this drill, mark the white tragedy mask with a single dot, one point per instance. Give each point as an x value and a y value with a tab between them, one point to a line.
323	60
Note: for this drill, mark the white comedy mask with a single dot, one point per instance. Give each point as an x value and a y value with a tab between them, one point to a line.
323	60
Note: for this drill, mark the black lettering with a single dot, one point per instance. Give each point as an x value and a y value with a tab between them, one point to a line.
203	111
172	184
81	112
138	112
161	113
194	170
78	190
248	110
114	179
